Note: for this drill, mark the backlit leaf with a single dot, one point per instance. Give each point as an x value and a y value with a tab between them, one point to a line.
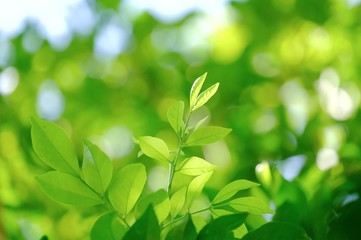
221	227
108	227
195	166
196	88
97	168
126	187
196	186
177	201
183	231
207	135
200	123
67	189
277	231
145	228
53	146
252	205
205	96
160	202
175	116
232	188
155	148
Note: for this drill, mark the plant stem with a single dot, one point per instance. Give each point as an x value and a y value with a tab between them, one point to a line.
173	163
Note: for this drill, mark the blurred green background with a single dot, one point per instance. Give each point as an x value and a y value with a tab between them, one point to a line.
289	73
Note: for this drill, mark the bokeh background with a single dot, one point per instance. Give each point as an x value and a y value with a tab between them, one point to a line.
289	73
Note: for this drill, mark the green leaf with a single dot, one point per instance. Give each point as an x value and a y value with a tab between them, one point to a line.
126	187
232	188
200	123
196	186
67	189
196	88
97	168
206	135
195	166
108	227
145	228
53	146
177	201
160	202
205	96
184	231
175	116
155	148
277	231
252	205
221	227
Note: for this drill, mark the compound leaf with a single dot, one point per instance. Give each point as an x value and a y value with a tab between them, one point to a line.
67	189
126	187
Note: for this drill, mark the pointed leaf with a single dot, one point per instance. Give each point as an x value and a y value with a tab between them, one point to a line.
196	88
67	189
200	123
184	231
108	227
252	205
277	231
196	186
97	168
126	187
221	227
175	116
145	228
205	96
207	135
159	200
155	148
53	146
232	188
195	166
177	201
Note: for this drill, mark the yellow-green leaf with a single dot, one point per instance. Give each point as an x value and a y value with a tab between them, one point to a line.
252	205
155	148
177	201
175	116
195	166
205	96
160	202
231	189
196	186
207	135
196	88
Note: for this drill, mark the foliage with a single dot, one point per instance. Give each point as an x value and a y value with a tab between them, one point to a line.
155	213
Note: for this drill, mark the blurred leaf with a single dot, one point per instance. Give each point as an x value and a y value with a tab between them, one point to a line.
222	227
126	187
232	188
184	231
205	96
146	227
53	146
97	168
67	189
200	123
196	186
195	166
207	135
196	88
159	200
155	148
250	204
277	231
175	116
177	201
107	227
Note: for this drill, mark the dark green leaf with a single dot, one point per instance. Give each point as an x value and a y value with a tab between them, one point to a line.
277	231
145	228
126	187
155	148
183	231
207	135
67	189
221	227
108	227
97	168
175	116
159	200
53	146
232	188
